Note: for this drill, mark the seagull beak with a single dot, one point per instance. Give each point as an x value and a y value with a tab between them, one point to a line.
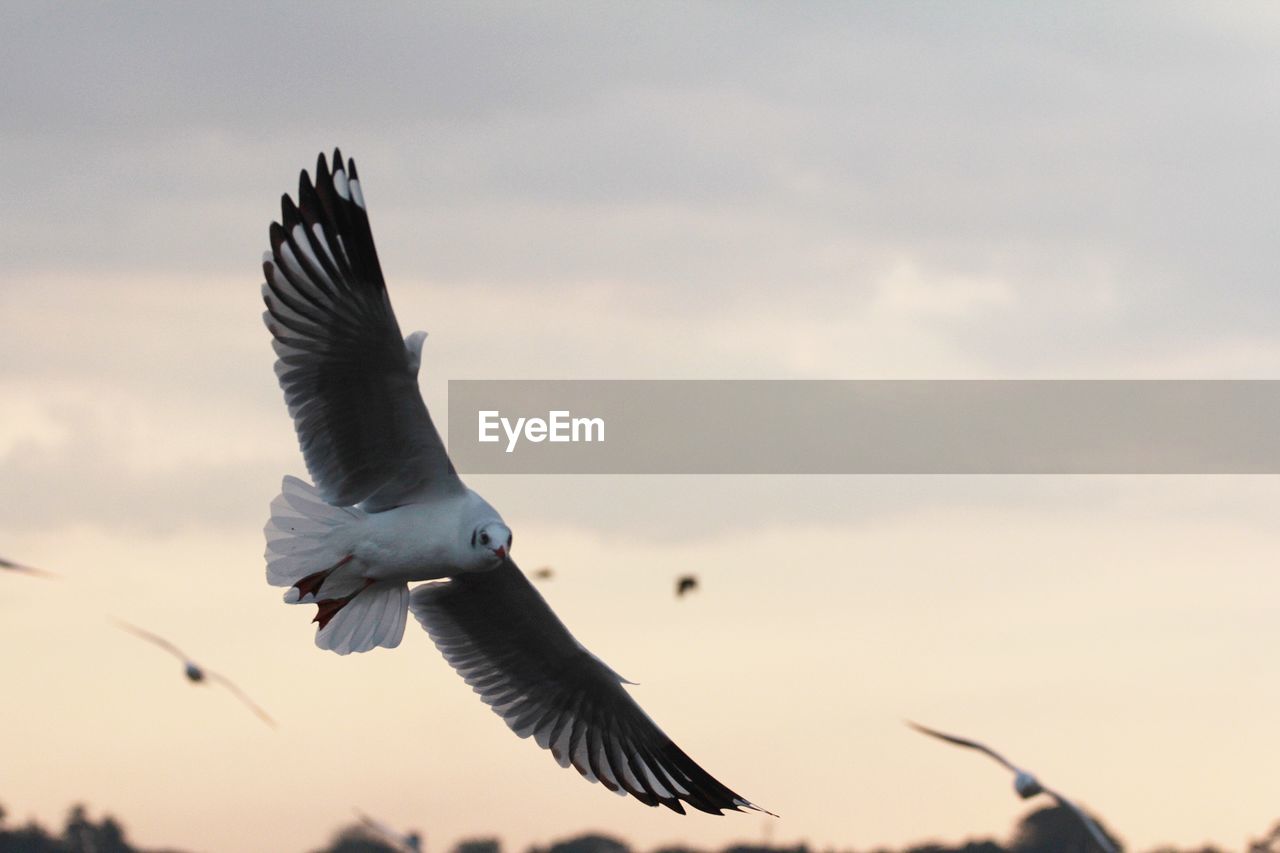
501	551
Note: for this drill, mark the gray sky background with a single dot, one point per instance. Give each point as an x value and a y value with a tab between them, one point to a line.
653	191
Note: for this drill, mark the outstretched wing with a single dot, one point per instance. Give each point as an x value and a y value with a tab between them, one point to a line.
10	565
153	638
1090	824
349	379
959	741
387	833
242	696
500	635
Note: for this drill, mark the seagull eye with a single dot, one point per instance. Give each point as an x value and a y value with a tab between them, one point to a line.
484	538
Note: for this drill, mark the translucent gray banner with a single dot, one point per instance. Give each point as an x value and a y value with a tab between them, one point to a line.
864	427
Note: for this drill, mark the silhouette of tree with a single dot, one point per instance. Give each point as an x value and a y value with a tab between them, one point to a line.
1055	829
358	838
754	848
82	835
478	845
590	842
984	846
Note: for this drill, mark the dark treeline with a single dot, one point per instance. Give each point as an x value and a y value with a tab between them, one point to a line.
1047	830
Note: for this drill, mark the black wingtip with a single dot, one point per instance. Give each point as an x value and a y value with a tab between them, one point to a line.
322	169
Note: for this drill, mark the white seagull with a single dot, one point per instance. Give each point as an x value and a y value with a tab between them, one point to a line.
1024	783
388	509
195	673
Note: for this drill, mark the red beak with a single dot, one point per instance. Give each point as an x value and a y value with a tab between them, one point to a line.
501	551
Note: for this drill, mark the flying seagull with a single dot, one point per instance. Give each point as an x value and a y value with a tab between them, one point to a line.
11	566
685	584
1025	784
410	842
388	509
195	673
545	573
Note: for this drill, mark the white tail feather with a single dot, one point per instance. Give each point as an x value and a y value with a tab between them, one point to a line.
375	617
305	535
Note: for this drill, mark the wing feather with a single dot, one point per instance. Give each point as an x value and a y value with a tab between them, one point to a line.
500	635
349	381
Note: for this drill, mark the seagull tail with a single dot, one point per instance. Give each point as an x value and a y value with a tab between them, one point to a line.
305	538
308	550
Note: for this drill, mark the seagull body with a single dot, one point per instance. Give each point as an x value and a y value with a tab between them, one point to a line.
1025	784
195	673
388	509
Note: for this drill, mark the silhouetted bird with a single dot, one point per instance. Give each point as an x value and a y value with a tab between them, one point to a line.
410	842
11	566
195	673
1024	783
685	584
388	509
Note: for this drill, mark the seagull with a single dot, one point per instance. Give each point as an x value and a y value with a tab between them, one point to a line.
10	565
195	673
388	509
1025	784
545	573
410	842
685	584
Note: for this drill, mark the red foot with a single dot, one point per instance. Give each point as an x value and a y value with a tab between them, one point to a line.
327	609
310	585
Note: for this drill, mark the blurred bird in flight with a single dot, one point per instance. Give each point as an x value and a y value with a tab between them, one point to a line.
195	673
545	573
410	842
685	584
1025	784
10	565
388	509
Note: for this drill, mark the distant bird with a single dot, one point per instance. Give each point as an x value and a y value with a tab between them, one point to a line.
410	842
545	573
388	509
195	673
1024	783
685	584
10	565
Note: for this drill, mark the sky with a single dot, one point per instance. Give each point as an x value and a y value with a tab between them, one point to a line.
711	190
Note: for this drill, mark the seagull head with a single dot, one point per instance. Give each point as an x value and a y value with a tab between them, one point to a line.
493	540
1026	785
193	672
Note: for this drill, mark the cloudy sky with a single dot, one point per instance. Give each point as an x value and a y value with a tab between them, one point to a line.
647	191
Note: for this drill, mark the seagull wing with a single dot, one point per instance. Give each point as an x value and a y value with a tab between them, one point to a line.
959	741
153	638
349	379
499	634
386	832
1089	823
242	696
28	570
